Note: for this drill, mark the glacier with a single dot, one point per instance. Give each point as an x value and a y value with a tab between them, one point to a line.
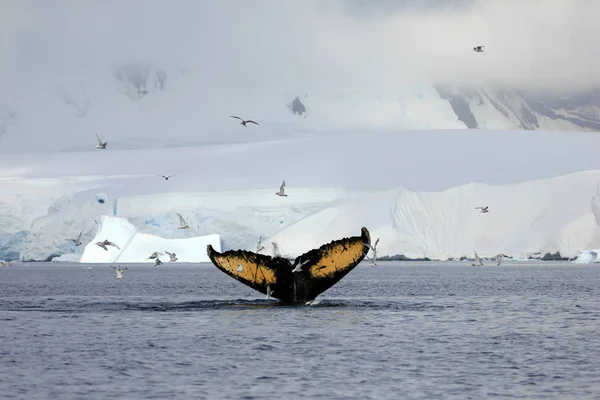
415	189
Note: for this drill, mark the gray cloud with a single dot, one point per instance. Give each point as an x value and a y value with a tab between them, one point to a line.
268	45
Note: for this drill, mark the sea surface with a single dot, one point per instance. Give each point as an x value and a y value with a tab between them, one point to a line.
396	331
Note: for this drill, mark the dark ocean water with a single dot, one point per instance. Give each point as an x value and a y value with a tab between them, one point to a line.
421	331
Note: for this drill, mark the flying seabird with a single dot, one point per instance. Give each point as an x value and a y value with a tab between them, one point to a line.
105	243
157	261
299	266
478	49
182	224
244	122
76	241
269	292
372	261
281	190
259	246
172	256
155	255
101	144
483	209
478	262
119	272
166	177
276	252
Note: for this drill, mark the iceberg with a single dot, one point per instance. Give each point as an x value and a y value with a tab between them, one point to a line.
546	215
587	257
136	247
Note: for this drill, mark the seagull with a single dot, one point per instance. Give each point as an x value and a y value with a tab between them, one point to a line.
155	255
276	252
374	249
172	256
106	243
240	268
281	190
259	246
76	241
157	262
166	177
269	292
101	144
498	259
483	209
299	266
478	49
313	302
244	122
182	224
119	272
477	262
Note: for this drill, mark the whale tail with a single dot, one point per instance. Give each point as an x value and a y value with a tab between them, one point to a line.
320	268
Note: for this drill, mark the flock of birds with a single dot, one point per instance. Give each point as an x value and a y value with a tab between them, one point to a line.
281	192
182	223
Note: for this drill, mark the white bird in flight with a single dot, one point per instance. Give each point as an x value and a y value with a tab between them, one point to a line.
299	266
478	262
478	49
182	224
119	272
374	249
157	262
483	209
269	292
105	243
155	255
76	241
281	190
172	256
166	176
244	122
101	144
276	252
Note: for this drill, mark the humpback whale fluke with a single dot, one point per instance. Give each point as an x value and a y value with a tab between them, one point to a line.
319	269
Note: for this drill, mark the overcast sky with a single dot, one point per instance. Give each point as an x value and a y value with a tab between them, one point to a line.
251	43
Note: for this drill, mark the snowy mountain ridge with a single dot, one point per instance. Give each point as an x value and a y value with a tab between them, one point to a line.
142	106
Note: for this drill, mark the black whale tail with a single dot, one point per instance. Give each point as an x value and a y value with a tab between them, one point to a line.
321	268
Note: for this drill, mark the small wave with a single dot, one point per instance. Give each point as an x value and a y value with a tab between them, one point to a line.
75	306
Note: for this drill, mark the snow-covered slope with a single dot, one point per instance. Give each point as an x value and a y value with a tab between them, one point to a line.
413	187
137	247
